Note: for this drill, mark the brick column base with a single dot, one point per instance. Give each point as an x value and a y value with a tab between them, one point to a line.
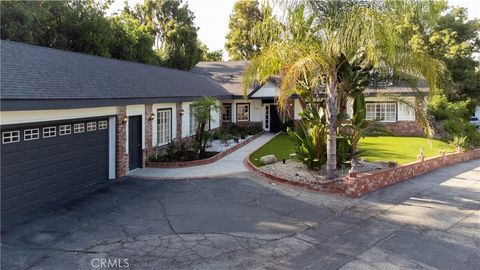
122	156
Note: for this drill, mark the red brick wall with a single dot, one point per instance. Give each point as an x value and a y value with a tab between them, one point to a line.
367	182
410	128
147	152
179	119
122	157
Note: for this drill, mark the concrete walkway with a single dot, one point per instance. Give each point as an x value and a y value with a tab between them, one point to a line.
228	165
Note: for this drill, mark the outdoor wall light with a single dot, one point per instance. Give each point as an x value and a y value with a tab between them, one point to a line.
152	116
124	120
182	111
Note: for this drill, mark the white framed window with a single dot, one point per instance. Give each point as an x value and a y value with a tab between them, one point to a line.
102	124
377	111
31	134
227	112
193	122
78	128
91	126
64	130
49	132
243	112
11	136
164	126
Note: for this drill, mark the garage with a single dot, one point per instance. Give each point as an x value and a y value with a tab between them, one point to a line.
48	160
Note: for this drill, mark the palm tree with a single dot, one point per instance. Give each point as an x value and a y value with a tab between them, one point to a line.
314	37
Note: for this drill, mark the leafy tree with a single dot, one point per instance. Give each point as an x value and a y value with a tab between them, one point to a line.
201	111
307	60
132	41
171	23
239	44
207	55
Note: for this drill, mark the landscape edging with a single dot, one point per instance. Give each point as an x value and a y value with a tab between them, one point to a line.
363	183
209	160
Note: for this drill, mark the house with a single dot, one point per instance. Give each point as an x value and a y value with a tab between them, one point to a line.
69	120
389	104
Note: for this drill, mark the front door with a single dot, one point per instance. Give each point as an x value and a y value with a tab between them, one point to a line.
275	122
134	142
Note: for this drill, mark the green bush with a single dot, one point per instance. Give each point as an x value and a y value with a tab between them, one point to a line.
442	109
459	128
460	142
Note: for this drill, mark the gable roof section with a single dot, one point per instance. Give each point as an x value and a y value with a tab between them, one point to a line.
226	73
31	72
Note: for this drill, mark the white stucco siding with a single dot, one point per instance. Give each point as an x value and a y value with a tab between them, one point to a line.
159	106
477	111
269	90
215	117
255	110
34	116
297	108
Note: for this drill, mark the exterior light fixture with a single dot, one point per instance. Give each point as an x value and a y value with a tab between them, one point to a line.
152	116
182	111
124	120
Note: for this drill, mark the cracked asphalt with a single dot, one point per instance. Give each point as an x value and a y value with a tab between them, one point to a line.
242	222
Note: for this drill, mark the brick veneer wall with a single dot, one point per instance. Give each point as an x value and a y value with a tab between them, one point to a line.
179	119
360	184
367	182
122	156
147	152
410	128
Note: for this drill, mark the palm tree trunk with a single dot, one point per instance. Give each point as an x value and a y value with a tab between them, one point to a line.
331	118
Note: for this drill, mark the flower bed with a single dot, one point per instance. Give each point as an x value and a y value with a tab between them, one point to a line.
226	149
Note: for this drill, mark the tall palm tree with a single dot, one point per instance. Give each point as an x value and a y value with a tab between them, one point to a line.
314	37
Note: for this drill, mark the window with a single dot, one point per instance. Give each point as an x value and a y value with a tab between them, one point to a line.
381	111
243	112
164	126
267	117
64	130
227	112
102	124
11	136
79	128
31	134
193	122
91	126
49	132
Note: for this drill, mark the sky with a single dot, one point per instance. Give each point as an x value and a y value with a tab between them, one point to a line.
211	16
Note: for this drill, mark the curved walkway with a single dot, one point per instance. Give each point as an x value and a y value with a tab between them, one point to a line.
230	164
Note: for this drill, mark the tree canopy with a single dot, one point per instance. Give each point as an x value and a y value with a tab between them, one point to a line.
156	32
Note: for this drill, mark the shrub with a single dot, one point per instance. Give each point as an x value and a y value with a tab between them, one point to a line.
458	128
442	109
460	142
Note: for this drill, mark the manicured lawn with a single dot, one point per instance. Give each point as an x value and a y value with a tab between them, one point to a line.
381	148
400	149
281	146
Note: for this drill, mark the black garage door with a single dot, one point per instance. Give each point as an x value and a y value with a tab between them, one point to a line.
40	162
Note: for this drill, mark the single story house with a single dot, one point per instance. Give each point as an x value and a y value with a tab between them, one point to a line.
382	101
69	120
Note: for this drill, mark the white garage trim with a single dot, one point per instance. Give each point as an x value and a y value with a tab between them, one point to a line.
112	131
20	117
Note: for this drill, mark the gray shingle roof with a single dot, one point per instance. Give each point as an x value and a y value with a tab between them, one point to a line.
39	73
226	73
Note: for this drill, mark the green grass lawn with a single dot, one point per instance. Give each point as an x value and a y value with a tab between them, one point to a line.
381	148
281	146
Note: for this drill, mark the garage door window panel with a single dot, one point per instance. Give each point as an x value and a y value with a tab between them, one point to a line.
49	132
91	126
11	136
102	125
79	128
31	134
64	130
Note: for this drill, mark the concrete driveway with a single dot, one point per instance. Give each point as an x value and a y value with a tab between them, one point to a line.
240	222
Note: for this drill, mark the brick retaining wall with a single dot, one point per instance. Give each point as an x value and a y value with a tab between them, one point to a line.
356	186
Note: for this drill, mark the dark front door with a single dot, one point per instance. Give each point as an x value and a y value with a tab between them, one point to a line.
275	122
134	141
